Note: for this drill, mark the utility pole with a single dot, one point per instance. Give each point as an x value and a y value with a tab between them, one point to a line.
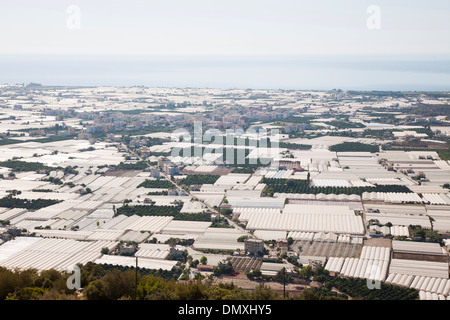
284	282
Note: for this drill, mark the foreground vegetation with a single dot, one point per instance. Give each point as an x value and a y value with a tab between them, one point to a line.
340	287
108	282
30	285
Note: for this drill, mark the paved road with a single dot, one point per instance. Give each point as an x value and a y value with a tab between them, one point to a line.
212	209
209	207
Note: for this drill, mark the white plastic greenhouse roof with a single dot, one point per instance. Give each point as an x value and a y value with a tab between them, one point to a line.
318	209
423	295
232	179
16	245
335	264
270	235
192	207
142	262
59	254
244	210
9	214
419	268
156	253
102	234
320	196
400	219
439	286
269	268
316	222
136	236
436	198
365	268
153	224
178	227
220	238
296	235
399	231
393	197
64	234
263	202
417	247
375	253
331	183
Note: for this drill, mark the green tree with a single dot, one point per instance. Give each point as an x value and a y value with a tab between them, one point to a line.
306	272
96	290
290	241
262	292
195	263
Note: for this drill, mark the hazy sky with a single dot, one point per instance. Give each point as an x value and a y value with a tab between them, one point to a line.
224	27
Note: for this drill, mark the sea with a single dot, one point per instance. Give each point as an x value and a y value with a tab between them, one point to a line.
288	72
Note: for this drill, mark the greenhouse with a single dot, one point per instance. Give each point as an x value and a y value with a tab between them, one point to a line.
153	253
392	197
376	253
315	222
373	262
430	288
436	198
419	268
365	268
146	263
59	254
220	239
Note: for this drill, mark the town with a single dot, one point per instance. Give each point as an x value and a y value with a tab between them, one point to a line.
338	194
